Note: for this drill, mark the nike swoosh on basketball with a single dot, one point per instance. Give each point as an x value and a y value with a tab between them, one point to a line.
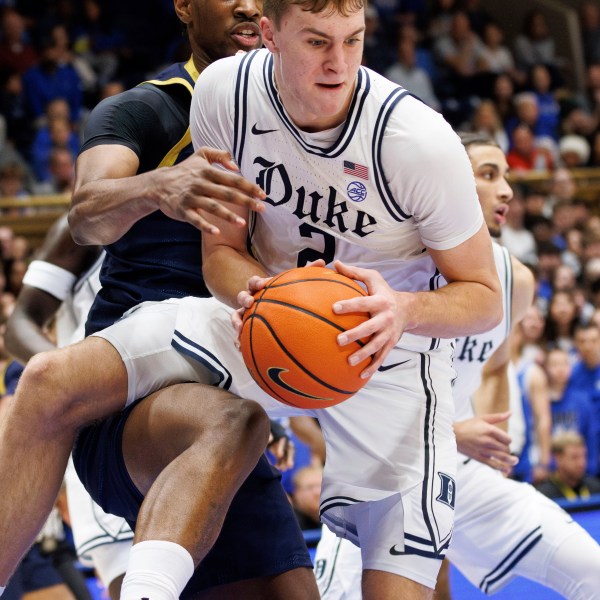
388	367
275	376
256	131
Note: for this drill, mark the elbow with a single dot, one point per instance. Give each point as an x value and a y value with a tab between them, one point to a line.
77	231
495	310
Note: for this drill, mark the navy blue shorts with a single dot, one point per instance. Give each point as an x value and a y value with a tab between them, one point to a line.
260	535
36	572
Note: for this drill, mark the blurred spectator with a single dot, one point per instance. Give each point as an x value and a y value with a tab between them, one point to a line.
21	248
486	120
524	155
571	410
461	57
585	377
564	217
527	340
61	165
572	255
377	54
50	80
561	321
548	120
503	91
57	134
496	54
549	259
306	495
13	181
569	480
534	460
440	18
65	56
406	72
519	241
534	45
16	52
595	150
589	20
574	151
99	41
527	111
478	15
13	107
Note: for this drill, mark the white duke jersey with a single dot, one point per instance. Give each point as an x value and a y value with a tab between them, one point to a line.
472	352
376	192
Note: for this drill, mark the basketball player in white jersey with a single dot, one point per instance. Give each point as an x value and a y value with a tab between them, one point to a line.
503	529
61	283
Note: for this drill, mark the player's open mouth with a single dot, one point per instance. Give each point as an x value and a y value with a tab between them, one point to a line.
246	35
501	213
330	86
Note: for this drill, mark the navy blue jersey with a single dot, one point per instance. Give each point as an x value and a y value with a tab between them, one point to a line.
158	258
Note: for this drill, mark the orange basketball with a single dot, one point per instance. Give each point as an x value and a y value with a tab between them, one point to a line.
289	338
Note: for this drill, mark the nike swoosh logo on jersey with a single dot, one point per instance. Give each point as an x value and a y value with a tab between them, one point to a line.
388	367
256	131
395	552
275	376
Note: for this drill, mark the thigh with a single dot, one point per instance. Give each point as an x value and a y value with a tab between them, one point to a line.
500	523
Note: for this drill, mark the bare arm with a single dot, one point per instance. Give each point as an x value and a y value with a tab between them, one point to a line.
109	195
493	393
26	328
539	399
307	430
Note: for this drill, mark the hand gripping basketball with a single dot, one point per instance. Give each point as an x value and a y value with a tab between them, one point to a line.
289	338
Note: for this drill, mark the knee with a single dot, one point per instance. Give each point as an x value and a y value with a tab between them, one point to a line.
246	422
42	395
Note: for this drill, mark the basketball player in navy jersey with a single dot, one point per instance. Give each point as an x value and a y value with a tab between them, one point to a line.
503	529
149	220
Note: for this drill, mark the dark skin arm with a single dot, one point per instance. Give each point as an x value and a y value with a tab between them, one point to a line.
26	328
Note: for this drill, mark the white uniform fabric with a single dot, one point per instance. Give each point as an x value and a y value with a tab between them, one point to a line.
95	533
503	529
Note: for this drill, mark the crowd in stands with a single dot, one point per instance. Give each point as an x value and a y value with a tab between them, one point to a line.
59	58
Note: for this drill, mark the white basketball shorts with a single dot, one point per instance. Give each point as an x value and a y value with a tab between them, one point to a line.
391	444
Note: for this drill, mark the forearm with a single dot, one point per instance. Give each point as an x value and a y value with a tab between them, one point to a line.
25	337
456	310
493	395
226	272
103	210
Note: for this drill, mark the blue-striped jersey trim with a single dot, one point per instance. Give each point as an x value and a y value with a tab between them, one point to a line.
241	104
493	580
380	124
363	86
202	355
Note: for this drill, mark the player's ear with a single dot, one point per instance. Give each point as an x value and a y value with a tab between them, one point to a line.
183	10
267	28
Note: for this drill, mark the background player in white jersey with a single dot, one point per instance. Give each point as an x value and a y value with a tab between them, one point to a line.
59	287
503	528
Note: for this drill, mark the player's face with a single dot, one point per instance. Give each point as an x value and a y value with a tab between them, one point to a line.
219	28
490	169
317	57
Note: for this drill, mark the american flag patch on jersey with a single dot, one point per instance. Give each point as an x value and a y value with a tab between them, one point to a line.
352	168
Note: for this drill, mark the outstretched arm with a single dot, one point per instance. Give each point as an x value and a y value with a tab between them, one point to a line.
27	326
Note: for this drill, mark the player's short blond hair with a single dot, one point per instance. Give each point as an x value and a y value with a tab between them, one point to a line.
275	9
